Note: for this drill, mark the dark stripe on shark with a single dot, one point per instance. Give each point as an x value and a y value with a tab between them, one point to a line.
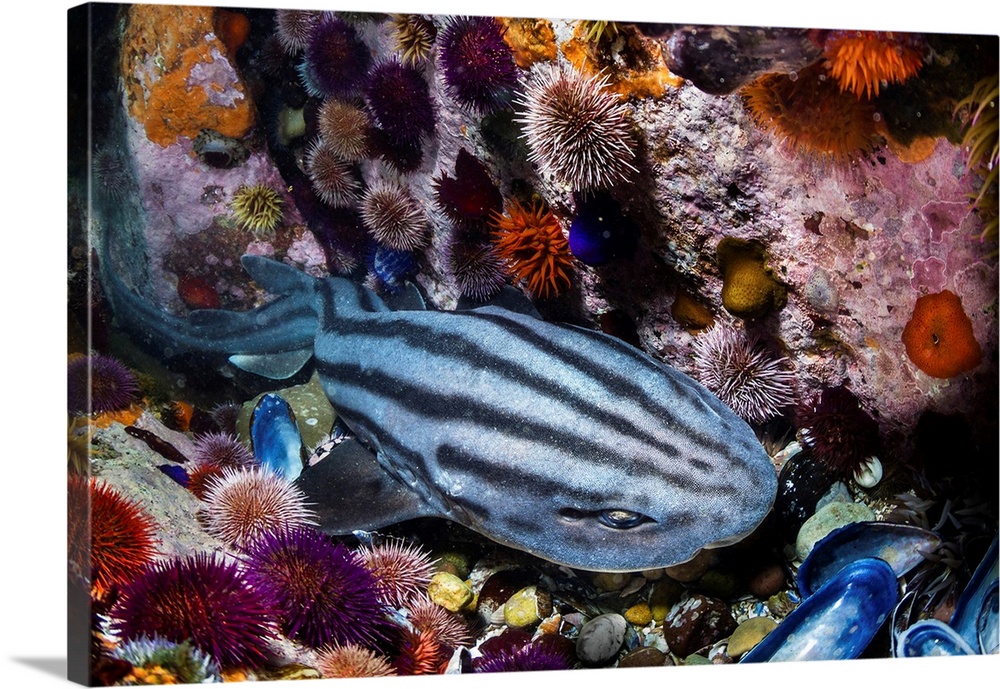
434	341
426	403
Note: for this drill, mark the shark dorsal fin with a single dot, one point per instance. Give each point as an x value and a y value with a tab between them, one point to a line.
508	298
408	298
275	276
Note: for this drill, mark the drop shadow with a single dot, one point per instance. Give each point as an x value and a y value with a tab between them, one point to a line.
56	667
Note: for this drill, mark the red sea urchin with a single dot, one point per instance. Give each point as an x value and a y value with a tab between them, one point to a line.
471	194
839	432
403	570
243	504
99	383
201	598
449	628
578	130
335	60
741	373
323	595
110	537
477	63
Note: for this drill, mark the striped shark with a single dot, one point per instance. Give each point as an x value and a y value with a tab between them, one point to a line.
550	438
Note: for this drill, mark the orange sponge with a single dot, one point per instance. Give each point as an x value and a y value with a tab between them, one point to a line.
939	337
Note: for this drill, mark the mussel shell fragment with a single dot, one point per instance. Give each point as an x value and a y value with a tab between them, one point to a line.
931	638
900	545
803	480
975	617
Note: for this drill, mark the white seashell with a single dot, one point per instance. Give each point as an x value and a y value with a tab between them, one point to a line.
870	473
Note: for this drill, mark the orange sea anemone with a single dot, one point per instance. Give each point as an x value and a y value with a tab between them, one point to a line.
809	112
939	337
532	244
862	60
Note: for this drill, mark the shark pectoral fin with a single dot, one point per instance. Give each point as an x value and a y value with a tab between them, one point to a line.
277	366
275	276
350	491
408	298
509	298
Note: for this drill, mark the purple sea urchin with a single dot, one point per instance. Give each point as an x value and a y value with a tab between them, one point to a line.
112	178
839	432
332	177
529	657
243	504
394	218
477	63
474	267
225	415
201	598
322	594
403	570
577	129
343	128
335	60
293	28
399	101
352	661
734	366
221	450
99	383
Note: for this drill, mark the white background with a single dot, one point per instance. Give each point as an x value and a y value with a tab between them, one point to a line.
33	331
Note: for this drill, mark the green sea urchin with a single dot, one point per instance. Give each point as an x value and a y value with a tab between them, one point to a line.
394	218
257	207
578	130
737	368
242	504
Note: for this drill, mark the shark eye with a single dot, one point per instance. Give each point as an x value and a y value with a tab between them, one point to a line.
621	519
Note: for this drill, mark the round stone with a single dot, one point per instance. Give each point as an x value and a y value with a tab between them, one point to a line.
830	517
639	614
646	656
750	633
600	639
449	591
527	607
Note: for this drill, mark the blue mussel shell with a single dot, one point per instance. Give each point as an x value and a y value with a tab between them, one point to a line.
838	621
